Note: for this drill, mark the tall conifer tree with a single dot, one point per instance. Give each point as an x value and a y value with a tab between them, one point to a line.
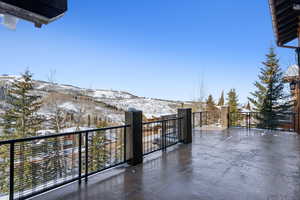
22	118
269	98
221	100
213	113
248	106
19	121
233	103
210	103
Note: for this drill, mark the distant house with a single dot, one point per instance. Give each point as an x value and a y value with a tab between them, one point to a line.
292	71
290	77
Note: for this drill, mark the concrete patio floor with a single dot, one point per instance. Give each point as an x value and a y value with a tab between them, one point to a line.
234	164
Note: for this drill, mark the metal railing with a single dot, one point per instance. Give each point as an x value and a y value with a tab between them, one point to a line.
197	119
283	121
206	118
31	166
39	164
159	135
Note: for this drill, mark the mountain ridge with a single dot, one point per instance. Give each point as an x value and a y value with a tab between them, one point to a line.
110	104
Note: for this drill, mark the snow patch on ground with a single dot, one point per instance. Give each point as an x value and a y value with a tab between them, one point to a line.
41	86
69	106
110	94
151	107
74	129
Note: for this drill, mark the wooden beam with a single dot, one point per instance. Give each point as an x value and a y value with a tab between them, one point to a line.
287	39
286	17
288	27
283	9
279	2
285	20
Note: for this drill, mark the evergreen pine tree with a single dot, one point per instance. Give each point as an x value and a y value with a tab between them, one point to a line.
4	169
248	106
98	154
232	99
210	103
221	100
19	121
213	113
22	119
57	119
269	98
55	162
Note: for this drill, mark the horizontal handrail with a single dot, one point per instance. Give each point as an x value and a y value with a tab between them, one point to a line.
288	113
76	132
164	120
60	135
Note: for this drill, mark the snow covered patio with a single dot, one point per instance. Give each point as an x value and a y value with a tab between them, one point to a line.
230	164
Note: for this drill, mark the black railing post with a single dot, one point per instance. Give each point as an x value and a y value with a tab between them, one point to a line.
124	147
229	119
247	124
174	127
294	121
201	119
86	156
179	129
193	120
186	127
249	119
80	157
134	137
164	135
11	170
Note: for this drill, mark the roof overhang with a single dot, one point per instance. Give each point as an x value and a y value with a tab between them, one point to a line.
285	17
37	11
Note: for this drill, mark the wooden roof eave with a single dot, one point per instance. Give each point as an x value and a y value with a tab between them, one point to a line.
274	20
284	20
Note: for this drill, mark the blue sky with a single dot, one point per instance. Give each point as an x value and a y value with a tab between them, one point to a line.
157	48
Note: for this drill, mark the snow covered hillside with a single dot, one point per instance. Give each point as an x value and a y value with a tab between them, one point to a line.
152	108
105	104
